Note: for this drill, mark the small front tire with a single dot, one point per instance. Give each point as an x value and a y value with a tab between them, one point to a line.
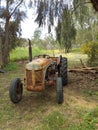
16	90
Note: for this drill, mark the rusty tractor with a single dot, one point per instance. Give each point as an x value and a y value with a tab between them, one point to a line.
41	71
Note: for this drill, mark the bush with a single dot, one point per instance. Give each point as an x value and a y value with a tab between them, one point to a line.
91	49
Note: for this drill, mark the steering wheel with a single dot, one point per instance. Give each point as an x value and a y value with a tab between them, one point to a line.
43	56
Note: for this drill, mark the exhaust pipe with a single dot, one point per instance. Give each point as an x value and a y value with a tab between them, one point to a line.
30	51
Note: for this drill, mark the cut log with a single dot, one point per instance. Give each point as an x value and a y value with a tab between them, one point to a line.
92	68
85	70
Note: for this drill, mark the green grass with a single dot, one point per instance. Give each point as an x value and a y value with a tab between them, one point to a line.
76	50
53	121
59	121
89	93
73	57
23	54
12	66
40	112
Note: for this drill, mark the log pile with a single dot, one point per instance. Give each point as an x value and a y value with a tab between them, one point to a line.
85	70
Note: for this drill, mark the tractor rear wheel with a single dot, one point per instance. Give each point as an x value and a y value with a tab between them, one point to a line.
16	90
63	70
59	94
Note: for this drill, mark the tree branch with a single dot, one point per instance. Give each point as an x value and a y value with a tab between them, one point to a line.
16	7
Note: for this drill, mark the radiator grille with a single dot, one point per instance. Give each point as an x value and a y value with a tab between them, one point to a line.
38	77
29	77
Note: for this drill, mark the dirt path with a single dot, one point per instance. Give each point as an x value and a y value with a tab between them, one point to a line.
80	93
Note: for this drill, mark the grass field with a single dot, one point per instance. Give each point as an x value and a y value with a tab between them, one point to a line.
23	54
39	111
73	57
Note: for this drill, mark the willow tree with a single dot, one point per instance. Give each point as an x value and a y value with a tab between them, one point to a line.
87	19
65	30
49	10
9	12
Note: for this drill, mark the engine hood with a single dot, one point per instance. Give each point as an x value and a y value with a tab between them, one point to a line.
37	64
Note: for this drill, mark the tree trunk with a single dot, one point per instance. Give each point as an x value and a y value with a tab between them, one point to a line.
0	47
5	44
66	50
5	48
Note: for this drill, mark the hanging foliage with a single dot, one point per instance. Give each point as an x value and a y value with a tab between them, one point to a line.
65	30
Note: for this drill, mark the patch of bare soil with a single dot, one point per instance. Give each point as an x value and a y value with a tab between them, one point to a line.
83	89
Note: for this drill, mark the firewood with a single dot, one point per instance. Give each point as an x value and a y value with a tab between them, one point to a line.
85	70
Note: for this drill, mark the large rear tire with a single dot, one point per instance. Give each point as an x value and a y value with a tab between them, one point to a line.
60	96
63	70
16	90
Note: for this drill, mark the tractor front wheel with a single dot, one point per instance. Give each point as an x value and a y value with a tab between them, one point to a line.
60	96
16	90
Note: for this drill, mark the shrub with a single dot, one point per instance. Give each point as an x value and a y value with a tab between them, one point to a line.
91	49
